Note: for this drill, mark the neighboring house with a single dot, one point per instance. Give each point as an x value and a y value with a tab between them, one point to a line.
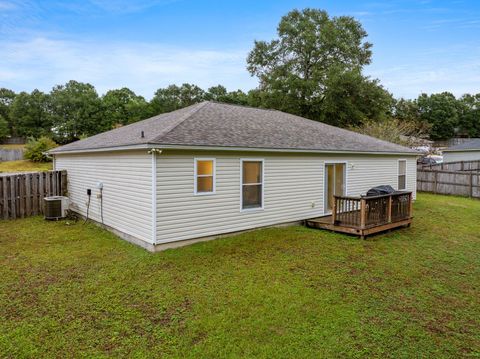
466	151
214	168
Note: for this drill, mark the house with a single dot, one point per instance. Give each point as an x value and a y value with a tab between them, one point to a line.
466	151
214	168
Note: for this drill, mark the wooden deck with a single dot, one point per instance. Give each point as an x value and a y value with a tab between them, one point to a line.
363	216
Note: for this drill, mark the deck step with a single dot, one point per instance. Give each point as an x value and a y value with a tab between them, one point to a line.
322	223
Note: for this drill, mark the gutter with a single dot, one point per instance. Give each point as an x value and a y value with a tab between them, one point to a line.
227	148
464	150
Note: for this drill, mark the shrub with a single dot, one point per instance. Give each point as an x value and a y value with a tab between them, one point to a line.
35	149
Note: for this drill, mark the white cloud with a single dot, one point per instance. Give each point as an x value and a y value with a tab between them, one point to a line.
143	67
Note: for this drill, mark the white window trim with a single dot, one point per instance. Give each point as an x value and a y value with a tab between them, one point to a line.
332	162
195	176
262	207
398	174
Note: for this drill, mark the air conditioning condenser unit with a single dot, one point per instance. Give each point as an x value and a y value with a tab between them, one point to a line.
55	207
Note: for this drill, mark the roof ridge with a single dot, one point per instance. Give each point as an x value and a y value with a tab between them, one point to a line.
169	129
244	106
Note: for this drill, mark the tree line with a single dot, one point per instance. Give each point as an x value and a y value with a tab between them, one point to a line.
75	110
313	68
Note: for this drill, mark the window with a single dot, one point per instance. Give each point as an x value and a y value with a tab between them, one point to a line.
252	184
402	175
204	176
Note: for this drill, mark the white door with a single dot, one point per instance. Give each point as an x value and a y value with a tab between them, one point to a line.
335	180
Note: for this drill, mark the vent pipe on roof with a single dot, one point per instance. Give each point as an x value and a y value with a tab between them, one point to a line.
143	134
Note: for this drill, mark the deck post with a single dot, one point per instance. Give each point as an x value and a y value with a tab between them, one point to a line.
334	210
389	209
363	212
410	205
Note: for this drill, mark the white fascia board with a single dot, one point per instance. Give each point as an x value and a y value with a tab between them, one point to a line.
226	148
464	150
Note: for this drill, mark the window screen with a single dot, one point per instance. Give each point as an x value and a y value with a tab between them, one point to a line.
252	184
205	176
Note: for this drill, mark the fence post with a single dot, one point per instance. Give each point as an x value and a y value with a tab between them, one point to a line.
28	194
363	212
389	209
5	197
334	210
470	184
435	182
410	205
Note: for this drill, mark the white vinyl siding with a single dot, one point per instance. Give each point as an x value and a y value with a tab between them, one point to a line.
293	190
127	188
458	156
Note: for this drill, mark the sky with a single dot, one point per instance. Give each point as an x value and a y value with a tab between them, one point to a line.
418	46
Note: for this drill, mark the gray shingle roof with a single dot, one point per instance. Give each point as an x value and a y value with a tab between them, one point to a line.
473	144
215	124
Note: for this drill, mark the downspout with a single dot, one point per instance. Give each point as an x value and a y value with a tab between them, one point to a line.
153	153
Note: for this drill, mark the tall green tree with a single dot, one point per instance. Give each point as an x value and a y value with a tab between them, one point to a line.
314	57
351	98
6	98
4	130
469	115
405	109
122	107
441	111
30	113
175	97
76	111
219	93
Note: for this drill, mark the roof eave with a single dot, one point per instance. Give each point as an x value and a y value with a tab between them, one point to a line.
463	150
227	148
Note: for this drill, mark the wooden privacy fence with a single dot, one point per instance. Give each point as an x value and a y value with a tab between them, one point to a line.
21	195
11	155
453	166
460	183
13	141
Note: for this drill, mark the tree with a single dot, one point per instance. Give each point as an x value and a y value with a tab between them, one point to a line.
219	93
4	130
351	98
30	114
441	111
469	115
404	109
402	132
175	97
313	54
6	99
76	110
122	107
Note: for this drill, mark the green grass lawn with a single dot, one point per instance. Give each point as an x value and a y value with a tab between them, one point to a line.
24	166
74	290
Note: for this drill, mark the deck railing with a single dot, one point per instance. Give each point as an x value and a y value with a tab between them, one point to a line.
367	212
